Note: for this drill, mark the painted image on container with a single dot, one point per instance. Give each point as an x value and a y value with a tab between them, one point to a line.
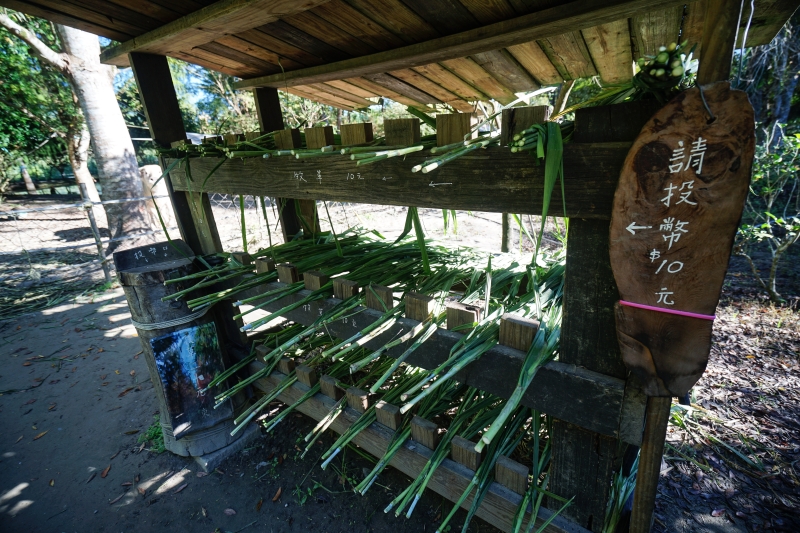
187	360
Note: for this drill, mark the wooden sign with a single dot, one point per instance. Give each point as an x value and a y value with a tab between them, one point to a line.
676	211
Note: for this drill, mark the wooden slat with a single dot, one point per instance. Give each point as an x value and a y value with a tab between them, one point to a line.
445	78
231	64
769	18
401	87
421	82
532	57
467	69
355	101
303	41
348	19
280	48
490	11
91	15
371	86
268	56
203	26
154	10
568	53
447	16
610	48
505	69
326	99
543	24
397	18
249	61
692	29
352	89
451	479
325	31
588	399
591	172
655	28
105	28
119	13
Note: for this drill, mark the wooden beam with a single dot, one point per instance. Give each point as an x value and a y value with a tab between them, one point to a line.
225	17
551	22
587	399
720	28
451	479
591	172
160	102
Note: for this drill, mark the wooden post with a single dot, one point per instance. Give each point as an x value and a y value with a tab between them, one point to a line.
463	452
401	131
459	314
379	297
286	365
511	474
319	137
357	399
327	385
720	27
306	375
360	133
517	331
419	306
516	119
425	432
270	118
452	128
314	280
265	265
287	273
344	288
192	210
388	415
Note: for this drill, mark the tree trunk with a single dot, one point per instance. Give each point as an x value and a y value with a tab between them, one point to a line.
78	152
113	149
23	170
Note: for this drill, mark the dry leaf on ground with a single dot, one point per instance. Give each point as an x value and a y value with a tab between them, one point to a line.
40	435
277	494
180	488
104	473
229	512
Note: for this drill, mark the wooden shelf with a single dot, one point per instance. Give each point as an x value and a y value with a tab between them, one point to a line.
450	479
492	179
591	400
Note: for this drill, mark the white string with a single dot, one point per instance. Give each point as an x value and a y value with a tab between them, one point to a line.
170	323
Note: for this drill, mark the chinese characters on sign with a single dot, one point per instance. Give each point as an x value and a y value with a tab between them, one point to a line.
143	254
679	190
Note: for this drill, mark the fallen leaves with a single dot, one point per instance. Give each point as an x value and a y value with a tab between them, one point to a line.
717	512
127	484
180	488
19	439
52	406
229	512
52	482
103	377
32	400
104	473
26	363
131	432
116	454
91	477
202	474
133	373
141	491
124	392
277	494
258	505
118	498
40	435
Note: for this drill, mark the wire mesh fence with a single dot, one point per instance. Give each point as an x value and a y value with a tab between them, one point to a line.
49	252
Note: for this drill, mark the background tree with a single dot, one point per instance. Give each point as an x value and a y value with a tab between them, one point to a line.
112	147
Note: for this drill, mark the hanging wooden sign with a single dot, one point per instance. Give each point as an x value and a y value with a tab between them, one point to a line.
676	210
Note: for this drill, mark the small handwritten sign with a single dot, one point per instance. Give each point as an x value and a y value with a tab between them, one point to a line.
676	210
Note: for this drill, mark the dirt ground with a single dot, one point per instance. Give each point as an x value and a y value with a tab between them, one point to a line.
731	464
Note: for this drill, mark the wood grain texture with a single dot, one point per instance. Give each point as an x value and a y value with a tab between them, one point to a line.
467	69
287	273
463	452
327	385
656	28
424	84
419	306
388	415
511	474
453	128
516	119
450	479
505	69
288	139
517	331
286	365
609	48
371	86
647	477
356	133
425	432
344	288
379	298
319	137
357	399
591	172
105	28
569	54
438	74
265	265
306	375
459	314
566	391
543	24
401	87
719	37
314	280
205	25
401	131
678	256
535	61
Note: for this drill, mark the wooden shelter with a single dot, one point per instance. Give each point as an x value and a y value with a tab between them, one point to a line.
422	52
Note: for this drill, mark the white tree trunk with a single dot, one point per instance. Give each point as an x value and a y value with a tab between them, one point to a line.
113	149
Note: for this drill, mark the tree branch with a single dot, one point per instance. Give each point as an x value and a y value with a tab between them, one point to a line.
57	60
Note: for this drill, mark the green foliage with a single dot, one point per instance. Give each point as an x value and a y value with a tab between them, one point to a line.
155	436
37	107
772	211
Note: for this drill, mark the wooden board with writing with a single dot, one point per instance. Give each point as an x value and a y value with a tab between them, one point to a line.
676	211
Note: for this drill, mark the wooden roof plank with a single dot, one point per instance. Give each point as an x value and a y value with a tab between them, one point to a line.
248	60
532	57
506	70
326	32
231	65
401	87
655	28
609	46
310	94
348	19
261	53
569	54
397	18
445	78
90	15
468	69
768	19
543	24
282	49
437	91
368	85
303	41
205	25
58	16
352	89
447	16
153	10
355	101
490	11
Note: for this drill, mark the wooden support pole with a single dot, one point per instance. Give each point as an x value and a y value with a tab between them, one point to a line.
389	415
270	118
505	237
425	432
327	386
314	280
379	297
655	431
358	399
344	288
419	306
463	452
453	127
306	375
459	314
287	273
511	474
160	103
401	131
720	28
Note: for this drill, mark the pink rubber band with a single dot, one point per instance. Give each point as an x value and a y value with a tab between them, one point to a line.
669	311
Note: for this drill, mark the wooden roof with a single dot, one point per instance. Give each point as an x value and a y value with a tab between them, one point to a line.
416	52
